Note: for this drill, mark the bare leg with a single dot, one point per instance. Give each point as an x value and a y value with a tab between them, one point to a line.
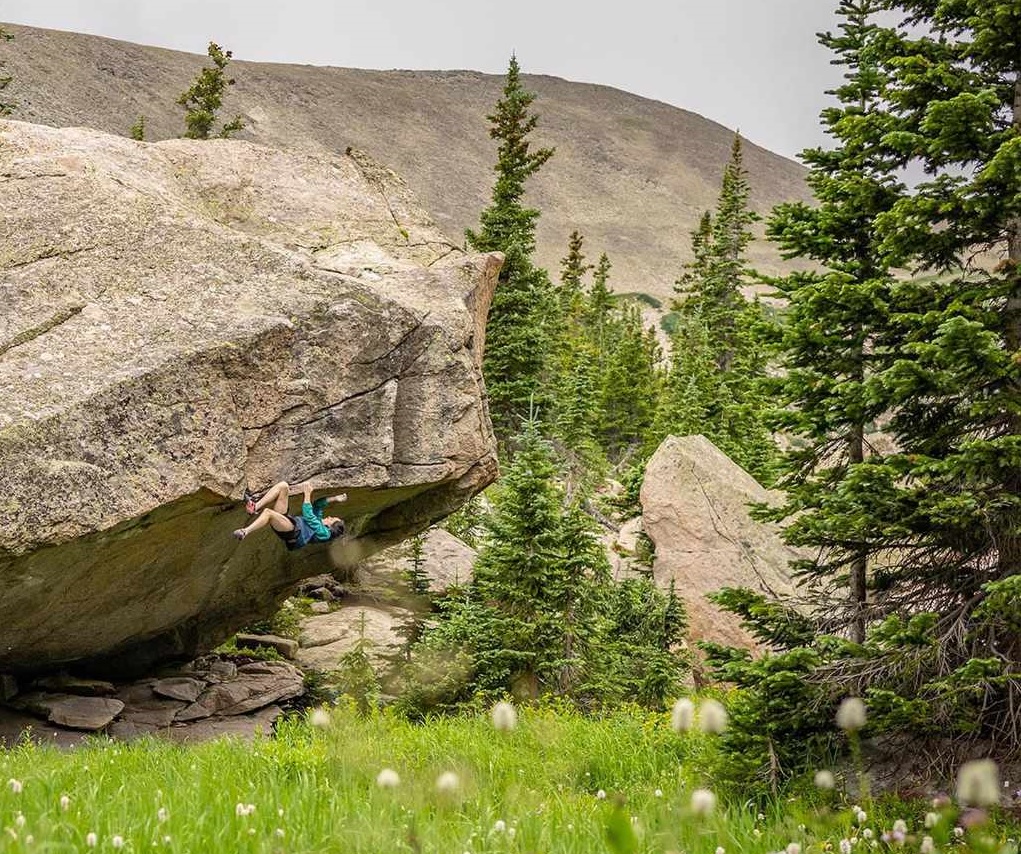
277	521
276	498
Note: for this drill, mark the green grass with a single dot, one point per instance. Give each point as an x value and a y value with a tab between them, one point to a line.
314	790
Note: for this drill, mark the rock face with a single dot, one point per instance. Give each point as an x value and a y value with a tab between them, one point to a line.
182	319
445	561
327	638
695	509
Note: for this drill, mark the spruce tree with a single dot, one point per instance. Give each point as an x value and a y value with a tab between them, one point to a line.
203	99
834	320
572	271
6	107
950	499
517	332
715	385
630	381
138	130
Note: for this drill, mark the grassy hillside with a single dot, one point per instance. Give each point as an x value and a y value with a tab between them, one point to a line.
631	173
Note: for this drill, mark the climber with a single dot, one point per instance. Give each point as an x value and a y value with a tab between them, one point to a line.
296	531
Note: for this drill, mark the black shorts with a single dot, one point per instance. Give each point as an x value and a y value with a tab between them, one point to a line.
292	538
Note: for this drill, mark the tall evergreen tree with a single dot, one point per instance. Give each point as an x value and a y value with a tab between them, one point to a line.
572	271
835	315
630	381
951	498
203	99
517	333
6	107
718	359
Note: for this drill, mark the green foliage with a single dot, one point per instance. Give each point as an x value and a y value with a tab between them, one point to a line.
518	334
541	616
6	107
467	523
356	677
631	381
203	100
716	382
138	130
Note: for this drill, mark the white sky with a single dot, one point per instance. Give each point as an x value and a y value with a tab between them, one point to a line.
749	64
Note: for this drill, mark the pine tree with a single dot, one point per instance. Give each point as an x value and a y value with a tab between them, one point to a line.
712	285
832	323
718	355
572	270
204	98
6	107
600	297
517	333
948	504
138	130
630	381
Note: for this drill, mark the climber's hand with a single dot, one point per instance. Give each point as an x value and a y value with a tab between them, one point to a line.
307	490
338	498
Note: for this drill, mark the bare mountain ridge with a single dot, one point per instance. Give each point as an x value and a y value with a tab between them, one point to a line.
632	174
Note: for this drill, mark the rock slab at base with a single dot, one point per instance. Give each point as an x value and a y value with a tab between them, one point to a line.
183	319
258	685
73	711
695	508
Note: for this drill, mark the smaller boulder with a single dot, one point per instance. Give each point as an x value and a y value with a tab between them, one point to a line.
285	646
65	684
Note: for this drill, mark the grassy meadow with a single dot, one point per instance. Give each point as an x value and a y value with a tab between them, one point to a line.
557	782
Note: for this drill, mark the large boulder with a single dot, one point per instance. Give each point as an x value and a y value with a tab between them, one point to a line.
182	319
695	508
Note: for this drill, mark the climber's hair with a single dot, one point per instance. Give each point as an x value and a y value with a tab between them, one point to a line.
337	530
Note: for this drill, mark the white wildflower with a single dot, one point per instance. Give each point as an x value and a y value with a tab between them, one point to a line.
658	793
499	826
162	815
117	842
851	714
447	783
845	846
867	833
280	832
720	850
793	848
958	831
824	779
389	779
511	831
65	803
683	715
90	840
927	846
601	795
703	802
712	717
900	826
931	820
505	716
19	820
860	816
978	783
29	839
319	718
15	785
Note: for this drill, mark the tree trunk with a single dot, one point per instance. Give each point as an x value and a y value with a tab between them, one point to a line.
858	592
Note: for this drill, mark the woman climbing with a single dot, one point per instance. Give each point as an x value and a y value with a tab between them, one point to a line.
296	531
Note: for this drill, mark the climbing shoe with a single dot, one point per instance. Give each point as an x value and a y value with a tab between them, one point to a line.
240	534
250	499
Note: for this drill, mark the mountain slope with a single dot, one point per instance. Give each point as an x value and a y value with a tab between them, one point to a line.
632	174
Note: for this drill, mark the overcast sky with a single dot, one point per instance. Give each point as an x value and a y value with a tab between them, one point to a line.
752	64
